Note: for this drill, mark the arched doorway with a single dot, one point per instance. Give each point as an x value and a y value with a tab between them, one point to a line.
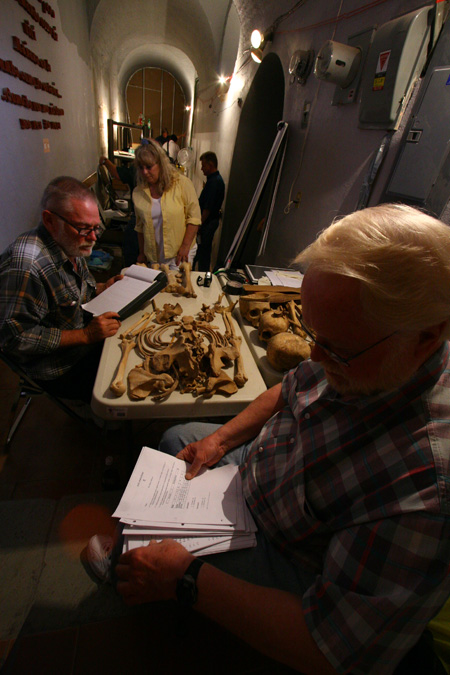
155	95
262	111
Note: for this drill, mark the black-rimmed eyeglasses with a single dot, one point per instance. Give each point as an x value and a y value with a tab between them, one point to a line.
84	230
311	338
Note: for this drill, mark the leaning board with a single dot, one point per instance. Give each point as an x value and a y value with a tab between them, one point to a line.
107	406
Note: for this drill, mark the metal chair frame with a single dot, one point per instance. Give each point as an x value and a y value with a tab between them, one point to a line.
27	388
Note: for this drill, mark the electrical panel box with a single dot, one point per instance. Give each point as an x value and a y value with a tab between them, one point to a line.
422	172
349	93
395	60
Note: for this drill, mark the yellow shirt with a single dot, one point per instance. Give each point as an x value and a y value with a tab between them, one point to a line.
179	207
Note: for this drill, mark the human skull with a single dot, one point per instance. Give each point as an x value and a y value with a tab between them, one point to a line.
252	309
271	323
286	350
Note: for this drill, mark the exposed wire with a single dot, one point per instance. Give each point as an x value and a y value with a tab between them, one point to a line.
288	13
336	19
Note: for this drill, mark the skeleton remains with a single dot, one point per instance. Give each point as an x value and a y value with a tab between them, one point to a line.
179	283
274	312
181	352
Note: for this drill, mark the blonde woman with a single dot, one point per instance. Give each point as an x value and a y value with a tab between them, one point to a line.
166	207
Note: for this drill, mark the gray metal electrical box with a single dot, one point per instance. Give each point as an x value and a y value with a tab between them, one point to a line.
395	60
422	166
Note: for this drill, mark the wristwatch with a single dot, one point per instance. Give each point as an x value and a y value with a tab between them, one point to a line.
187	592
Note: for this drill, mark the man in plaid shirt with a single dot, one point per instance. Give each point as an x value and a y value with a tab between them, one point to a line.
345	464
44	280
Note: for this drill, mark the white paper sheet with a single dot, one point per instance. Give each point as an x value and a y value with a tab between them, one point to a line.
158	492
206	515
135	281
289	279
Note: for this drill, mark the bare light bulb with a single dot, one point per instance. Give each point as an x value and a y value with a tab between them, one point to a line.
256	39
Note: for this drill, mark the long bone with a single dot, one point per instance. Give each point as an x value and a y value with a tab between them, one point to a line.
239	377
293	319
117	386
132	331
185	269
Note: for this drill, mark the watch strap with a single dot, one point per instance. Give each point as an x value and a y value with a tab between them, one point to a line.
186	590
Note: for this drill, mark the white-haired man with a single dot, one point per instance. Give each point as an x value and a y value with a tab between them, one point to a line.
44	280
345	465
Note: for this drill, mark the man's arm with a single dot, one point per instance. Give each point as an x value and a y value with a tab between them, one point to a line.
98	329
112	168
268	619
241	428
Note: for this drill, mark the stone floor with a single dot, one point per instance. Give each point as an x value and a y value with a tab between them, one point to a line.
53	459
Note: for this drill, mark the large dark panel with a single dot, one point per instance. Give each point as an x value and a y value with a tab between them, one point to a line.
262	110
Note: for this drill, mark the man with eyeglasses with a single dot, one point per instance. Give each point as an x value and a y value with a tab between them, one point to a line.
345	465
44	280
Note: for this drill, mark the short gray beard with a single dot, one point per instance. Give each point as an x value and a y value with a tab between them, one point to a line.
396	372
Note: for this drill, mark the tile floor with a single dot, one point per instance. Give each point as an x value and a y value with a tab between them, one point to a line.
52	456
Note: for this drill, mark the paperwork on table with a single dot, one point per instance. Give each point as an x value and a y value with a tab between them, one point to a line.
291	279
126	296
207	514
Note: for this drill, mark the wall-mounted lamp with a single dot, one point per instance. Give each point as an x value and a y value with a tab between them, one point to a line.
224	86
337	63
300	65
257	54
258	42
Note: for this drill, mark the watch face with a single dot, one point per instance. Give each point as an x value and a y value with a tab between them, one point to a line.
187	590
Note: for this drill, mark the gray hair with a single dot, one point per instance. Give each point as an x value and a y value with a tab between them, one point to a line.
60	193
402	258
152	153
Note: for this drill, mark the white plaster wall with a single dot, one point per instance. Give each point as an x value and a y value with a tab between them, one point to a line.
25	168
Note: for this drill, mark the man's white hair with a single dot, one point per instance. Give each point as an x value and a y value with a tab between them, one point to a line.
402	258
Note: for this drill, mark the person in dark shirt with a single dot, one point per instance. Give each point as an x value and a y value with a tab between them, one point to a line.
127	175
211	199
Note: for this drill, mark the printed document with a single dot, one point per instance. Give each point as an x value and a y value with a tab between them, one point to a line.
207	514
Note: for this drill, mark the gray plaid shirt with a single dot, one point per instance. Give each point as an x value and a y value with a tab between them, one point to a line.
40	296
356	489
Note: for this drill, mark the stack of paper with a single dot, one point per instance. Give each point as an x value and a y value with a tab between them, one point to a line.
288	278
207	514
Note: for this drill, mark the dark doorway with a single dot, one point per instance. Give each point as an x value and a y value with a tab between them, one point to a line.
262	111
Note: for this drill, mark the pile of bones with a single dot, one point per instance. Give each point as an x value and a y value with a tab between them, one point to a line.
274	312
181	352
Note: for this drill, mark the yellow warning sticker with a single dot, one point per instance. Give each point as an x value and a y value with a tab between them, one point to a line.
378	83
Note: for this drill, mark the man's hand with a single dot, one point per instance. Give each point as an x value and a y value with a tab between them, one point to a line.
101	327
206	452
150	573
110	282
